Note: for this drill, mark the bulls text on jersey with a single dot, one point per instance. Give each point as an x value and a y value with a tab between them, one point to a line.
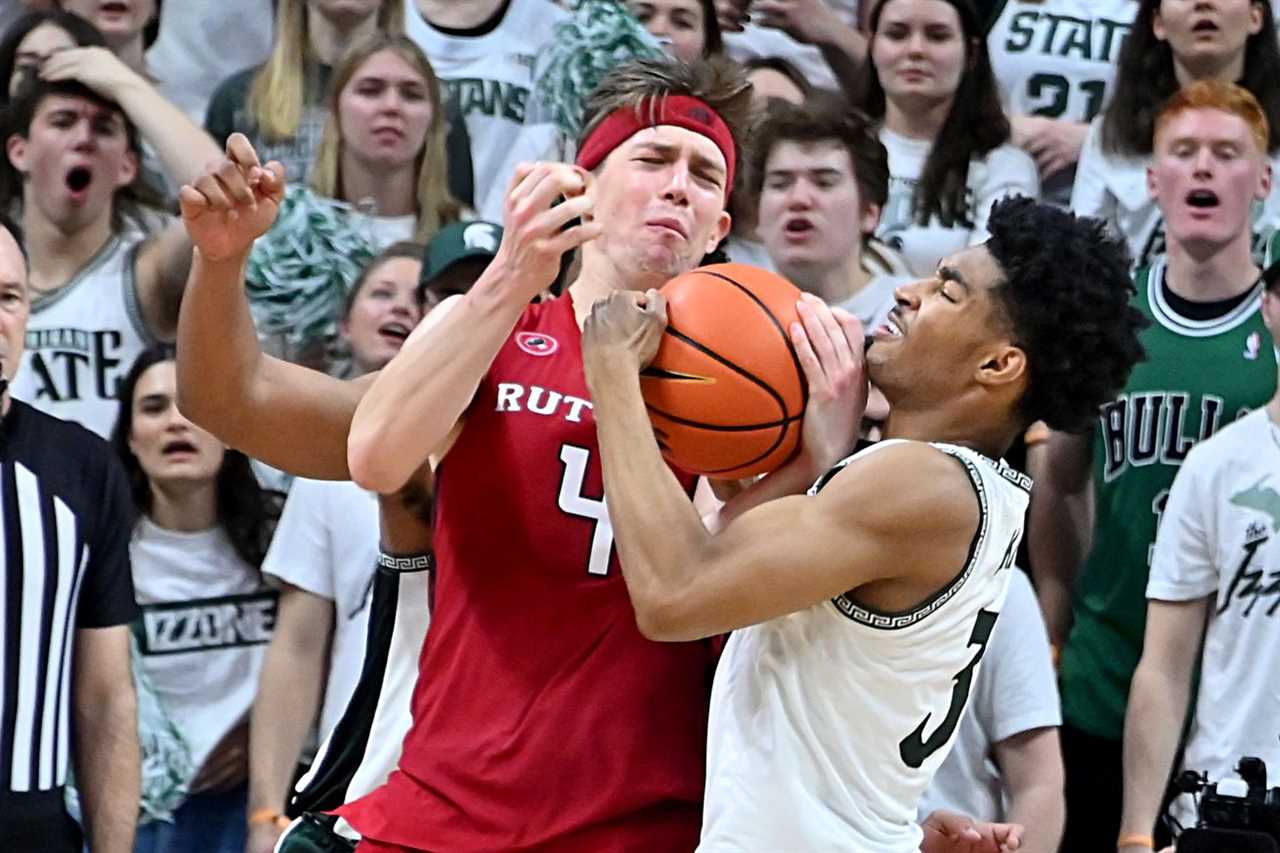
1155	426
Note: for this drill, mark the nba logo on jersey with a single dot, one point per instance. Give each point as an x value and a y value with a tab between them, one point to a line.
1253	346
536	343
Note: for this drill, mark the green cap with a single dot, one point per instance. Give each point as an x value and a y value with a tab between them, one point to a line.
459	241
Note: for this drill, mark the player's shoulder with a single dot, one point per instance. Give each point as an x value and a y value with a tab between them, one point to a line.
895	483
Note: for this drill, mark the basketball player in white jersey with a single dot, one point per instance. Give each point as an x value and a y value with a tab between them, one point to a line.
101	292
861	611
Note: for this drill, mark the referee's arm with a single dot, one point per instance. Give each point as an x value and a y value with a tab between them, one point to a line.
107	755
108	761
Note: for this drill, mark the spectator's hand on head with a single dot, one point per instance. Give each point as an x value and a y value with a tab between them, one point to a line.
829	344
227	765
732	15
1055	144
948	832
233	203
96	67
535	236
806	21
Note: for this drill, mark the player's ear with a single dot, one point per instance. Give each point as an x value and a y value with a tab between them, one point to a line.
723	224
16	149
1003	365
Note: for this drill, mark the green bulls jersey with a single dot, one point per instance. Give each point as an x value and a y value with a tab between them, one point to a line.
1198	376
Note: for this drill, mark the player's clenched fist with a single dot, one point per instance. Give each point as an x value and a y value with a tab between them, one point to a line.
233	203
535	235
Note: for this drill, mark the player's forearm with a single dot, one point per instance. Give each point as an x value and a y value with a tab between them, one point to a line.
418	398
659	535
1060	526
184	148
1041	808
218	349
283	712
108	766
1153	723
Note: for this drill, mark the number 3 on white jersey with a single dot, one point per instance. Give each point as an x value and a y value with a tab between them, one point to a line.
575	461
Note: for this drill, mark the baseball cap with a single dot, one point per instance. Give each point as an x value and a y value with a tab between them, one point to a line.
459	241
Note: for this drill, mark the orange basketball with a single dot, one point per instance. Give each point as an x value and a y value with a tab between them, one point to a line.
726	391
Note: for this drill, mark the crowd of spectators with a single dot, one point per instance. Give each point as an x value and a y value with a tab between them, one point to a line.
882	134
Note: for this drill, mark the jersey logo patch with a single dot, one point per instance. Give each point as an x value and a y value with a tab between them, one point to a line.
536	343
1253	346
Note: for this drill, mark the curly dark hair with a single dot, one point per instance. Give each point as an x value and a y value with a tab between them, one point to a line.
246	511
1068	296
975	125
1145	80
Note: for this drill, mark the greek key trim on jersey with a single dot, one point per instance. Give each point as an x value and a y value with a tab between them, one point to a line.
894	621
406	562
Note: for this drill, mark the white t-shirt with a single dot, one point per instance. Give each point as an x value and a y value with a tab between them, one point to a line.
1218	537
206	620
327	544
490	77
1005	171
202	44
1015	691
1114	189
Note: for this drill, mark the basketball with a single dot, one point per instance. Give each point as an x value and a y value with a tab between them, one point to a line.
726	391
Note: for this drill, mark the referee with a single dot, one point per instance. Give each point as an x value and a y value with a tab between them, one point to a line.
67	700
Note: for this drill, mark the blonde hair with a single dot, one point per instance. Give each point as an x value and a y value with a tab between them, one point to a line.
277	96
435	205
1225	97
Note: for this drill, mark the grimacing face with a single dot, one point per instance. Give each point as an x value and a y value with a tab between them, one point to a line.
942	331
660	199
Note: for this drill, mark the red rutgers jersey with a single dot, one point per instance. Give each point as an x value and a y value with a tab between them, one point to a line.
543	720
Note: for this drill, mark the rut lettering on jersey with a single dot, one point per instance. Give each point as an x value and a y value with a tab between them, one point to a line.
514	397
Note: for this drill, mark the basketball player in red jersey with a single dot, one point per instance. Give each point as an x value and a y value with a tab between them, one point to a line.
543	719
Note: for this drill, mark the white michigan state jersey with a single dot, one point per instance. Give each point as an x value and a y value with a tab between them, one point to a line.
1220	537
83	338
1056	58
490	77
827	724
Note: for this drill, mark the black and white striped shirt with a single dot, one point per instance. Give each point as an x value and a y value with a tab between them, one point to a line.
65	519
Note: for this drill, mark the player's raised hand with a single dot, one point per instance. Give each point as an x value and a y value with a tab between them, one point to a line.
233	203
829	343
948	832
535	234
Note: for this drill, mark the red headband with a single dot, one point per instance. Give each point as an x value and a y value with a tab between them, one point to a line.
679	110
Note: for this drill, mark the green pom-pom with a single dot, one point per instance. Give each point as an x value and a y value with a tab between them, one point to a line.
600	35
